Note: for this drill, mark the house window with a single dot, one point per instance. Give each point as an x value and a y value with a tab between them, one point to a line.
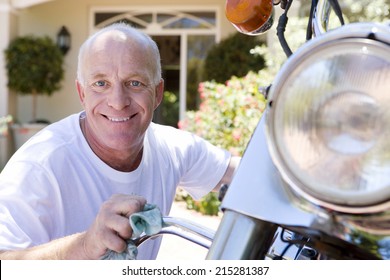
183	35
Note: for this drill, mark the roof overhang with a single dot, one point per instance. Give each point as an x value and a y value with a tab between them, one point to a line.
21	4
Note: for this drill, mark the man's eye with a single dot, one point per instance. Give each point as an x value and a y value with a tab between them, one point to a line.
100	83
134	83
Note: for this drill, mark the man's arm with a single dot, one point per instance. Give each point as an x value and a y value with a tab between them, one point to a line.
229	173
69	247
110	230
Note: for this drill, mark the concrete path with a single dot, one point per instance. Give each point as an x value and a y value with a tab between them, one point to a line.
177	248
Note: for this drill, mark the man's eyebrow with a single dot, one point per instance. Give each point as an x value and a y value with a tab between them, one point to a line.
98	75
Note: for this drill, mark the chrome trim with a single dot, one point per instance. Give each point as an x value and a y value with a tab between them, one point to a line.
321	17
183	228
241	237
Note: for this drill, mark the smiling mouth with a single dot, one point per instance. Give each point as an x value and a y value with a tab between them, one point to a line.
119	119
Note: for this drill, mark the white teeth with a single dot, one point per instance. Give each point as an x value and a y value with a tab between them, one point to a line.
119	119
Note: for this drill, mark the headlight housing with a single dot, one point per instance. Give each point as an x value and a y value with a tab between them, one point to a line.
329	119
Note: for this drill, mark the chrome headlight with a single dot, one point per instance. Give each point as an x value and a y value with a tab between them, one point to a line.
329	119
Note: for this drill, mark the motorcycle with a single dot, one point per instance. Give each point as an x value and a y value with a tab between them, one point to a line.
314	181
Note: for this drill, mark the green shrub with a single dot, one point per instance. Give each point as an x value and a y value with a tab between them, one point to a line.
227	117
209	205
170	109
228	112
34	64
232	57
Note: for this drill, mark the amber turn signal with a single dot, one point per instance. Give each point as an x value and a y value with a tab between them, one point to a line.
251	17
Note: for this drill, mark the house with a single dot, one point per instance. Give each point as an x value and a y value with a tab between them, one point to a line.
183	30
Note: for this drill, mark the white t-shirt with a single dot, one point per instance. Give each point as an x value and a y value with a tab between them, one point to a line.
54	185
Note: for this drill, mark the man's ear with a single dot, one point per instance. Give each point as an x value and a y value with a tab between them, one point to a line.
159	93
80	90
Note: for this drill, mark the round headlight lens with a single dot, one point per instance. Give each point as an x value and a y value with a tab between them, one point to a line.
330	122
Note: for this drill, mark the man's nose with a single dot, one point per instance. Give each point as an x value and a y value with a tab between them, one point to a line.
118	98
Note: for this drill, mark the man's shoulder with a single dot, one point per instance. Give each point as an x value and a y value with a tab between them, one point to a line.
61	131
160	127
169	133
51	138
62	126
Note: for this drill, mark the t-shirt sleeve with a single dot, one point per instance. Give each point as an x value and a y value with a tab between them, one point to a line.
25	218
205	165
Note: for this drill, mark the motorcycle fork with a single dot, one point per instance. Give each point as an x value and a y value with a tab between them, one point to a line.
241	237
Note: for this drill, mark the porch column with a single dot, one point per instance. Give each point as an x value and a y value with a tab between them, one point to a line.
7	101
7	32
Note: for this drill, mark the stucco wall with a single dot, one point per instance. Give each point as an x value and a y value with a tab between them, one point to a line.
47	19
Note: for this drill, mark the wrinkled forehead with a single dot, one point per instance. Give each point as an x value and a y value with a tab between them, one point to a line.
127	44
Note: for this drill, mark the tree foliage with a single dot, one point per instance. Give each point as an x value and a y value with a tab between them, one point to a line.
366	10
34	64
231	57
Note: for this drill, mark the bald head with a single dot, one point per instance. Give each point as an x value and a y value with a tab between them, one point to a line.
120	33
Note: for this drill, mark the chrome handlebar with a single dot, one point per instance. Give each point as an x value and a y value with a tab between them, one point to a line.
186	229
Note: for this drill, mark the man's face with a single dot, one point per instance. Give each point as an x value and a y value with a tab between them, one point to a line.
118	92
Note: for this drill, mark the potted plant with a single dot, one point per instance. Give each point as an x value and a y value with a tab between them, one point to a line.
34	66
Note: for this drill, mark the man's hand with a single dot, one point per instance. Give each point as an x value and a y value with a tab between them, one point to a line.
111	227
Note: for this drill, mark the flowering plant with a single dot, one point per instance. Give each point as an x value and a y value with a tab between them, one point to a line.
228	113
227	117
